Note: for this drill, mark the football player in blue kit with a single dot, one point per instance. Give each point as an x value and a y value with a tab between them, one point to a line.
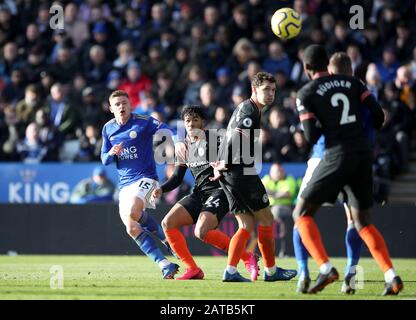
128	141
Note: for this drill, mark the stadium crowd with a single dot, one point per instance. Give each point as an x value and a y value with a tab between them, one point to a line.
54	84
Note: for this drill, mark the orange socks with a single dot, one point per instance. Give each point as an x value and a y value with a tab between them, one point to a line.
221	241
311	238
237	246
178	243
218	239
375	243
266	245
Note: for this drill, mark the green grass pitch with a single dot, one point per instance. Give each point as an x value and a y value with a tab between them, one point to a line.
130	277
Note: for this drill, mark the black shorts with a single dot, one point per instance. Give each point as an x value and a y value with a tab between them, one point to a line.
351	171
213	201
245	193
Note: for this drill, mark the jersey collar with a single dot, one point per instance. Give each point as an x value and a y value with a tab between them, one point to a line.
320	74
254	104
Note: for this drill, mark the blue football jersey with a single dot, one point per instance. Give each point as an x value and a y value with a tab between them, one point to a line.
137	159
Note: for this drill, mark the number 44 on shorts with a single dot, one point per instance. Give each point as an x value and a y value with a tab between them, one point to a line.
212	202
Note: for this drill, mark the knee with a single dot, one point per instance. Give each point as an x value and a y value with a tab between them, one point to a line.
266	219
168	223
200	232
133	231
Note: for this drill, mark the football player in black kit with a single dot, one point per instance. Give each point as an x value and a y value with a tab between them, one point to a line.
329	105
247	197
206	205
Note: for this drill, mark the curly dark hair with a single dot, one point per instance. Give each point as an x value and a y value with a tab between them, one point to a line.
261	77
191	110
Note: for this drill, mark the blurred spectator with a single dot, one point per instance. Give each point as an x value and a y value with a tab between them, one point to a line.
240	26
136	83
392	140
389	65
207	96
179	67
406	86
10	135
98	188
130	28
404	41
277	60
36	64
211	21
359	65
91	112
76	29
96	68
186	19
195	82
49	135
63	115
269	153
65	67
282	191
155	62
243	53
280	134
297	74
221	119
373	80
238	96
9	61
125	55
15	89
168	94
148	104
372	44
90	142
31	150
26	108
300	151
224	87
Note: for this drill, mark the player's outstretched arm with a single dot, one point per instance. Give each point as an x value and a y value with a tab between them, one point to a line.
175	179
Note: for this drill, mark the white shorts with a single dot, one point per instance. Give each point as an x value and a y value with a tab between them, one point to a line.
141	189
312	164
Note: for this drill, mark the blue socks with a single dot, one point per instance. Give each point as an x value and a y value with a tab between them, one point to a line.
149	248
301	254
148	223
353	243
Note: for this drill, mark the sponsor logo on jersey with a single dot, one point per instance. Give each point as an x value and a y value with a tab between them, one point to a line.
201	151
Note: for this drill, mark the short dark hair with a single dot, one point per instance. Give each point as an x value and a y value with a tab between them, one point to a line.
118	93
315	58
192	110
341	62
261	77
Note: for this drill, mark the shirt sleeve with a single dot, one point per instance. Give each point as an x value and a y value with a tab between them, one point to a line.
154	125
106	159
243	133
307	118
